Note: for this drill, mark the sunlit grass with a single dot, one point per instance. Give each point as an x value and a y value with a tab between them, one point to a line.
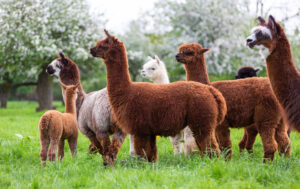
20	163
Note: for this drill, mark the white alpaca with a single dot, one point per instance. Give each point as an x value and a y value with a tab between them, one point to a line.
156	71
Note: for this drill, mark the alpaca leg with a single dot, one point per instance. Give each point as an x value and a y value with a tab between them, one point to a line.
283	139
44	148
73	145
176	142
189	141
145	146
131	150
53	149
103	138
267	133
223	137
117	141
251	133
206	140
95	146
242	143
61	149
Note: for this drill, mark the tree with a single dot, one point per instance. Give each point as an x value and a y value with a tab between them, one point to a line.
34	31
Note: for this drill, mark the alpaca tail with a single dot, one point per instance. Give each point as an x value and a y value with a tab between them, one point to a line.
222	108
44	124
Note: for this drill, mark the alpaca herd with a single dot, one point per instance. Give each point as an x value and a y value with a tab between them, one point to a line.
196	114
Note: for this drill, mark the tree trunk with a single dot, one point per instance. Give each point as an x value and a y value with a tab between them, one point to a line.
4	95
44	91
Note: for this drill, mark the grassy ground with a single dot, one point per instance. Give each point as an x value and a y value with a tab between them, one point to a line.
20	163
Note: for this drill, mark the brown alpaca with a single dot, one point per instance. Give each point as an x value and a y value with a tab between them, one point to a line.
284	77
249	101
93	111
56	127
146	109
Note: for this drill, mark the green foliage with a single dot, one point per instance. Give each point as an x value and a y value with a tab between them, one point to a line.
20	163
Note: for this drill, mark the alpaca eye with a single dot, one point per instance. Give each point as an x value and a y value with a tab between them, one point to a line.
152	68
102	47
189	53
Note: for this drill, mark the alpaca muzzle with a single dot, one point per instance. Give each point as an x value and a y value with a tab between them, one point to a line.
93	52
50	70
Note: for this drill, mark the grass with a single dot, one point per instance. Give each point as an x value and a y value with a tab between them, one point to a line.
20	163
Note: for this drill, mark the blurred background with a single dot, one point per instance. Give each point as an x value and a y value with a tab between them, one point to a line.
32	32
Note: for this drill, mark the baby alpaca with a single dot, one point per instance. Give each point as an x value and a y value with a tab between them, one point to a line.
56	127
156	71
146	109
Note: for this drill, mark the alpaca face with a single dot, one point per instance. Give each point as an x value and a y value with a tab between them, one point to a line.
54	67
57	65
106	48
152	68
188	52
264	34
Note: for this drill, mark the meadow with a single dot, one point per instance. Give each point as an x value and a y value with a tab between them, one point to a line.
20	162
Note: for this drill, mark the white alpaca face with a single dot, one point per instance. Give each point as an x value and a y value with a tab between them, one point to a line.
54	67
150	69
259	35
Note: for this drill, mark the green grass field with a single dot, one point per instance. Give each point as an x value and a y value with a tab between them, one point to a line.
20	163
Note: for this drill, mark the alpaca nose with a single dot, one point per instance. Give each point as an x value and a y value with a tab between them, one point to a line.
249	40
92	51
177	56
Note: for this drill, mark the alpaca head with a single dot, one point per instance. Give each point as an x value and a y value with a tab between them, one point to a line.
266	34
71	90
107	48
65	69
188	53
246	72
154	68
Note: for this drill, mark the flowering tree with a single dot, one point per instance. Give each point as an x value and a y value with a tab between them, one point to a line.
32	32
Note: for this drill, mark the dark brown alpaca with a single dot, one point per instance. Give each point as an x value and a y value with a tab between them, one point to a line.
245	72
249	101
284	77
146	110
56	127
93	111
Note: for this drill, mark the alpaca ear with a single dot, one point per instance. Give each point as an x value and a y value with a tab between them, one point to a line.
157	59
110	39
272	24
203	51
256	70
260	20
63	59
62	84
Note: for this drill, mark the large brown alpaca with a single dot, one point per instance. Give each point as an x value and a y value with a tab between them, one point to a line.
146	110
93	111
249	101
56	127
284	77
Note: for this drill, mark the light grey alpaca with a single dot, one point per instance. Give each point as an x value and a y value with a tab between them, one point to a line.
156	71
93	111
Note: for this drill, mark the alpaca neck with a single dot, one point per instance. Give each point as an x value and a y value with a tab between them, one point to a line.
162	78
118	78
80	97
281	69
71	104
196	71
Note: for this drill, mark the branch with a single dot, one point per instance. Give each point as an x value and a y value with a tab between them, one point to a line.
289	17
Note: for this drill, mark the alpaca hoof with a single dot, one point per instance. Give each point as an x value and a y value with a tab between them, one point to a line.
43	164
93	149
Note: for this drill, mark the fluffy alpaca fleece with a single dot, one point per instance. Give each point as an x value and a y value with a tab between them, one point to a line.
146	110
156	71
245	72
93	111
249	101
284	77
56	127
